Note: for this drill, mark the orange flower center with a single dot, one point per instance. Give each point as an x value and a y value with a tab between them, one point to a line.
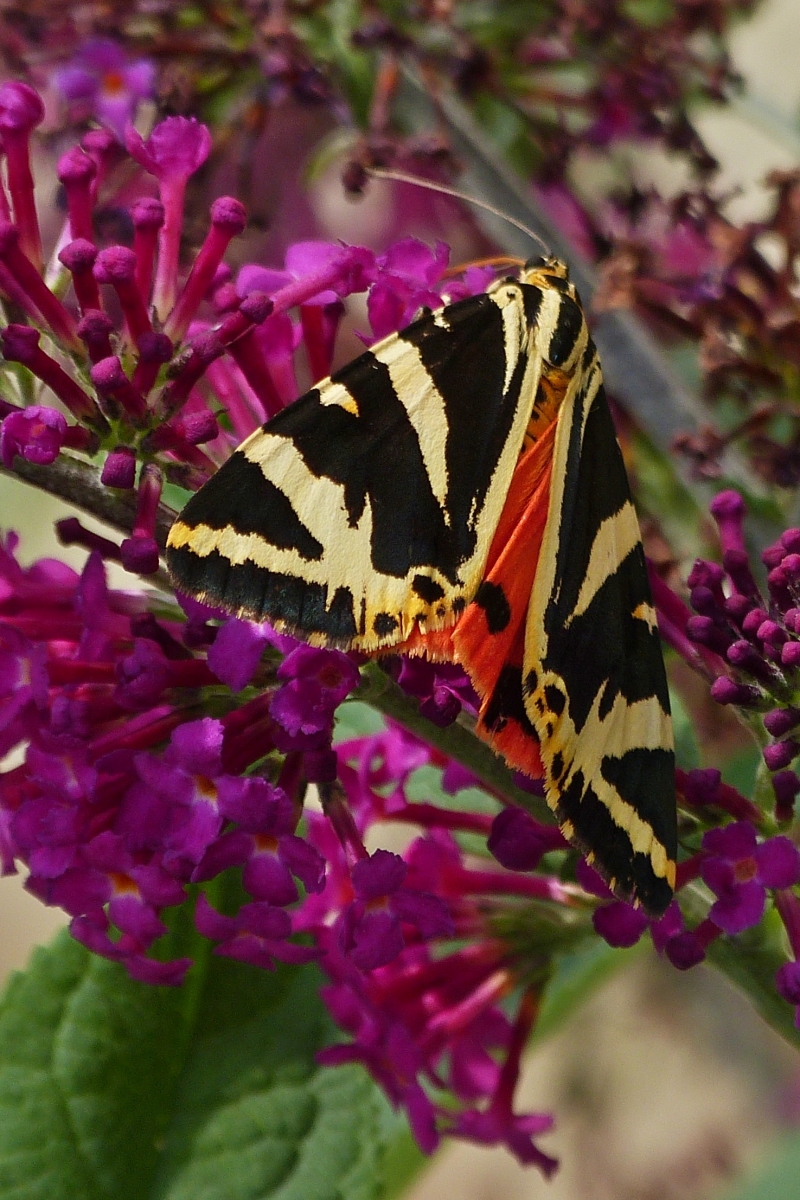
206	788
113	82
265	844
123	884
745	870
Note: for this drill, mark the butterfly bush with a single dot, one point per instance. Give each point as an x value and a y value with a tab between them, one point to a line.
152	743
103	82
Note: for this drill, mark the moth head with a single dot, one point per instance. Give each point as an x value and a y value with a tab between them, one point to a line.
554	267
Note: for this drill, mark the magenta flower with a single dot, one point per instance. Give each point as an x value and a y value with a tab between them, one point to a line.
175	149
385	1047
103	82
315	683
176	798
787	982
173	152
497	1124
370	930
518	841
23	677
739	869
21	110
264	843
36	433
236	652
408	275
618	923
320	312
745	641
258	934
442	689
303	260
160	742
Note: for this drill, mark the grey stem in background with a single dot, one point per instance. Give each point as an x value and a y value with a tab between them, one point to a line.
78	483
634	365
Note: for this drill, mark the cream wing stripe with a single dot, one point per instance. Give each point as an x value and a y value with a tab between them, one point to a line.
642	725
425	407
337	393
613	542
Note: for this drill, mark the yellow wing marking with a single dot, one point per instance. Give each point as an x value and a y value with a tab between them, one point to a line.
613	542
319	502
642	725
424	405
337	393
646	612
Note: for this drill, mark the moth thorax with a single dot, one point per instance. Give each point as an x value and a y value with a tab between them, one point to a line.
549	397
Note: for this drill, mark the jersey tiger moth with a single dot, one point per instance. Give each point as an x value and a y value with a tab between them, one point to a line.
458	491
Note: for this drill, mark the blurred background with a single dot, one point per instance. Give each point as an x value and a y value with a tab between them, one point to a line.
666	1086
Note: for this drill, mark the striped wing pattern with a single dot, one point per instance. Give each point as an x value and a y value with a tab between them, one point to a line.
594	680
367	507
364	514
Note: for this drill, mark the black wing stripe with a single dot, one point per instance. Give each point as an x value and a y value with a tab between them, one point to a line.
592	645
478	377
391	472
588	822
246	588
245	499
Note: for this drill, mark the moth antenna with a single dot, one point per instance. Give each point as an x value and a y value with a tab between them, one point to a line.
446	190
493	260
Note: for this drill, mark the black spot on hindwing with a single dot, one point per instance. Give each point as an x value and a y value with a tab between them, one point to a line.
506	703
494	602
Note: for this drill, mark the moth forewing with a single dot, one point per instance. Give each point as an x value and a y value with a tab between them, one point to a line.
367	513
594	681
387	519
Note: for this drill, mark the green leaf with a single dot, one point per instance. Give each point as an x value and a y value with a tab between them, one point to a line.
774	1180
109	1088
356	720
402	1161
687	752
649	12
740	770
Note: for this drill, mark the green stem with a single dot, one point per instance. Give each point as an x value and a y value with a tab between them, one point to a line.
78	483
750	961
456	741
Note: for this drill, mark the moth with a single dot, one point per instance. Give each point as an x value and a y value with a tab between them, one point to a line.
458	491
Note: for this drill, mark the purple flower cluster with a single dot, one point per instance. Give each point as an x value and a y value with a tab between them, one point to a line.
101	81
745	642
125	795
158	743
417	974
190	345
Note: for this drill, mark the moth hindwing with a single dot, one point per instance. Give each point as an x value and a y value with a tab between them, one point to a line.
458	491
